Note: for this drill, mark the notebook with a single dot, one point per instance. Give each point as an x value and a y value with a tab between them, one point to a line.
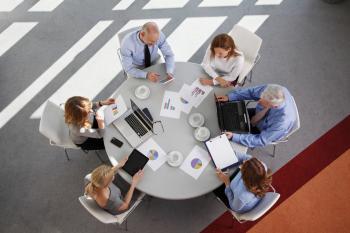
221	152
136	162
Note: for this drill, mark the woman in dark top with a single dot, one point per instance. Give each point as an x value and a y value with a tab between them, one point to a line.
107	195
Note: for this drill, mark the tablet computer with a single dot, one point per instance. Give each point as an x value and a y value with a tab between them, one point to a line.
136	162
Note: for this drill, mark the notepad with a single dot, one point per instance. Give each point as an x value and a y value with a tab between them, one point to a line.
221	152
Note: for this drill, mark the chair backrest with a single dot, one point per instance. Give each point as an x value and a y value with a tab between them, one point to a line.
246	41
102	215
52	126
296	125
264	205
122	34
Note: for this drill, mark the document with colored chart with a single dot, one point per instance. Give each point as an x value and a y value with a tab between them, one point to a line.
171	106
113	111
185	98
198	92
196	162
156	155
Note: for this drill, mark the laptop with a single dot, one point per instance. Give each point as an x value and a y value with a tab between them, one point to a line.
135	126
232	116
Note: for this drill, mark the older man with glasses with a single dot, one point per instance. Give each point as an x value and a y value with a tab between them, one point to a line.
271	120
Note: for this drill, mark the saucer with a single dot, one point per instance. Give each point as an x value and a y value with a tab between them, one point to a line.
142	92
176	162
196	120
203	138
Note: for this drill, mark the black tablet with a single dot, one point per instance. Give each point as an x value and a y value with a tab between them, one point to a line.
136	162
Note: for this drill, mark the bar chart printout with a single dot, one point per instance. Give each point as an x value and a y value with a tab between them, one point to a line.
171	105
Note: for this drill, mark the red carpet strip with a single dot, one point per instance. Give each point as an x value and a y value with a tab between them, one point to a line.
288	179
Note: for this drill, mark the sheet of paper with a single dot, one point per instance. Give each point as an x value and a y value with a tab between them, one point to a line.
113	111
156	155
196	162
199	92
171	106
185	98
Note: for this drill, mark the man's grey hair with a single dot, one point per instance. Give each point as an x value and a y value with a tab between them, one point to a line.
273	93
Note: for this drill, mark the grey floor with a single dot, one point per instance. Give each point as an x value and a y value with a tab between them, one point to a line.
306	48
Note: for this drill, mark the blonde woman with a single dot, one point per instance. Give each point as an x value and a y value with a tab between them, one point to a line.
107	195
86	126
223	62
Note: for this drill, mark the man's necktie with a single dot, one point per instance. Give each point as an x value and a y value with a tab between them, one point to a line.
147	57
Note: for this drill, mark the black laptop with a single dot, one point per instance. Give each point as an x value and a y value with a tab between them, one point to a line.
136	162
232	116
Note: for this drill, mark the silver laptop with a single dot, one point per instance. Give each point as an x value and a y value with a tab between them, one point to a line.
135	126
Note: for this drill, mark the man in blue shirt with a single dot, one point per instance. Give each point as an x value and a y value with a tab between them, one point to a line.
274	114
139	50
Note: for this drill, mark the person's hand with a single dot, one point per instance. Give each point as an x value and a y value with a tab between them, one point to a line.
153	76
108	101
99	117
206	82
137	177
222	98
223	177
169	76
229	135
122	162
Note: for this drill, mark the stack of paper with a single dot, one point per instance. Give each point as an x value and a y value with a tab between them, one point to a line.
189	96
196	162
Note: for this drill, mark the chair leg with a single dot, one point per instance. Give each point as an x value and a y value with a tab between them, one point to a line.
99	156
65	151
274	151
251	76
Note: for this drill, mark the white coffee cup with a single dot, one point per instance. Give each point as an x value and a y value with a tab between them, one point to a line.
196	120
174	158
202	134
142	92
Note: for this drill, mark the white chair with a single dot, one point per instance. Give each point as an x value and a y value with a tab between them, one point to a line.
52	126
249	43
262	207
102	215
121	36
295	128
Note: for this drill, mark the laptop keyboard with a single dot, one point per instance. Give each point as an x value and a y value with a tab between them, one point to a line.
135	124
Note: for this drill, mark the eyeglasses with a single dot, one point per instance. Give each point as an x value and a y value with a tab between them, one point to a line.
157	127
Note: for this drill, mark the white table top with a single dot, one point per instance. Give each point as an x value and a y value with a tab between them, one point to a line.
168	182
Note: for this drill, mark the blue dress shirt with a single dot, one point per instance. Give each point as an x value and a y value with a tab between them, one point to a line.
240	199
276	124
133	57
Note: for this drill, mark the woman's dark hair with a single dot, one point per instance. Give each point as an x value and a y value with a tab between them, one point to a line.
255	177
224	41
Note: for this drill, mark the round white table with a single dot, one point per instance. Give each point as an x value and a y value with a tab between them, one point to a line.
170	182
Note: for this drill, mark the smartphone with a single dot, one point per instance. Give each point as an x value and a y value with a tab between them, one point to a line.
166	80
116	142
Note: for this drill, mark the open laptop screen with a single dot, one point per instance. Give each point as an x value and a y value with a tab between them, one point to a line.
141	115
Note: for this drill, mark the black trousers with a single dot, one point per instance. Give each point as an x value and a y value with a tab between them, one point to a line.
253	129
93	143
220	192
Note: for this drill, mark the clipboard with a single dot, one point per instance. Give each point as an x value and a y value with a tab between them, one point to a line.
221	152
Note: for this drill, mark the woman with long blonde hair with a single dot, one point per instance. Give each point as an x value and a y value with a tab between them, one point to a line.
223	62
248	186
85	124
107	195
